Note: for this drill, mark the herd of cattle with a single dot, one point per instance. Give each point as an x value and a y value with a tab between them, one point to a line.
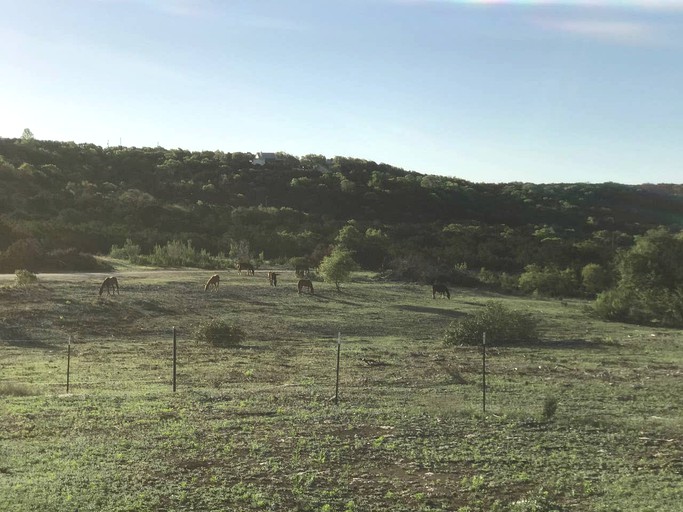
214	282
111	284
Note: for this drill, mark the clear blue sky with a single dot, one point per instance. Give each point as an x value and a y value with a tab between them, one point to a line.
553	91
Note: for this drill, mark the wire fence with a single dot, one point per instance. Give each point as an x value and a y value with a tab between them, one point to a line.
151	363
63	366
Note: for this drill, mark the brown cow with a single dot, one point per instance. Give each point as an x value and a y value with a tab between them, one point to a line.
248	267
305	283
213	282
111	284
441	289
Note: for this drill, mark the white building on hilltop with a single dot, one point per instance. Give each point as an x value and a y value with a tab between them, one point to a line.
264	158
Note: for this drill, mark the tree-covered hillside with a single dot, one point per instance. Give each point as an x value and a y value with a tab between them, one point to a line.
67	198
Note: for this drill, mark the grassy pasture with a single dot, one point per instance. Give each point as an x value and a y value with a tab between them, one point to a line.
254	427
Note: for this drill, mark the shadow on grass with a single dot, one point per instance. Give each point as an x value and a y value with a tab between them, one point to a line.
329	298
433	311
15	337
550	344
577	344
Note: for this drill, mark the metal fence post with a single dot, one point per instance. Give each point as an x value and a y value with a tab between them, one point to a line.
175	351
483	373
336	388
68	364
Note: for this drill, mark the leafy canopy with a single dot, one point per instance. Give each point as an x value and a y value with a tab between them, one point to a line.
650	285
337	267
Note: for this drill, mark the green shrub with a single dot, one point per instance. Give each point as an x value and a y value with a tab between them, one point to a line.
130	251
508	282
594	278
549	408
489	277
29	254
173	254
25	278
649	289
501	325
337	267
25	253
178	254
220	333
502	281
648	306
71	259
548	281
616	305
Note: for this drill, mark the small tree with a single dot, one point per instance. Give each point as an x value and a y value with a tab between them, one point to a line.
337	267
27	135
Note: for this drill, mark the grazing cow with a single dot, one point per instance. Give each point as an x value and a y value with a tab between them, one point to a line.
111	284
248	267
272	278
440	289
213	282
305	283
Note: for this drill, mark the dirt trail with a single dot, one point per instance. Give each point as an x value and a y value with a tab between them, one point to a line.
99	276
81	276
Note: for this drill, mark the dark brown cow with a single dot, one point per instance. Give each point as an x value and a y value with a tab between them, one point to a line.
111	284
301	271
441	289
248	267
305	283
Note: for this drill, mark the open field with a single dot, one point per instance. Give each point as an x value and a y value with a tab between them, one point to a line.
254	427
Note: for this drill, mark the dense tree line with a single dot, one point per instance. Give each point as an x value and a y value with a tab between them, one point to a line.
61	201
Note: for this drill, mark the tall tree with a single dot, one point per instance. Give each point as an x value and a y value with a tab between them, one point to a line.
27	135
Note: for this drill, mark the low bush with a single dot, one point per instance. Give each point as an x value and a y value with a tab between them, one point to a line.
648	306
501	281
25	278
501	325
29	254
174	254
62	260
129	251
25	253
220	333
549	281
